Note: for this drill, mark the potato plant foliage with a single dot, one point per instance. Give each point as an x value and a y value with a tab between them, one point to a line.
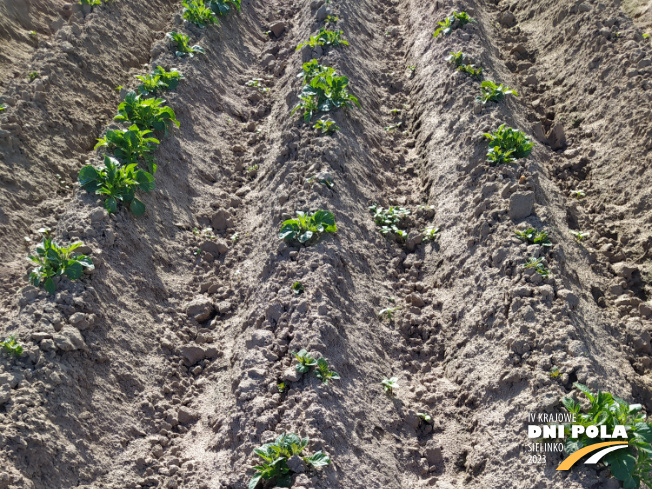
323	91
507	145
158	81
491	92
632	465
11	347
534	236
53	260
183	46
146	113
307	228
199	14
118	184
452	22
326	39
275	455
130	145
389	219
223	7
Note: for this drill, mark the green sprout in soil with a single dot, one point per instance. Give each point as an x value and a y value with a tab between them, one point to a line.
274	467
491	92
325	38
281	387
507	145
182	46
33	75
578	194
11	347
306	361
431	233
52	261
223	7
158	81
199	14
454	21
555	372
388	312
390	385
579	235
298	288
307	228
426	418
327	127
389	219
324	373
533	236
538	265
257	83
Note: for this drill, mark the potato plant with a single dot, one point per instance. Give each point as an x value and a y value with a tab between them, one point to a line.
305	361
631	465
158	81
452	22
580	235
3	107
390	385
534	236
307	228
130	145
324	373
53	260
323	91
491	92
538	265
275	455
459	60
223	7
199	14
11	347
388	219
298	288
118	184
507	145
146	113
325	38
183	48
327	127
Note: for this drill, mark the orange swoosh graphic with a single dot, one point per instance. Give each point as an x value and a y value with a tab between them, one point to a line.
574	457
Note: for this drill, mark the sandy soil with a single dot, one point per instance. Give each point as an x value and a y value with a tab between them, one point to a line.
161	368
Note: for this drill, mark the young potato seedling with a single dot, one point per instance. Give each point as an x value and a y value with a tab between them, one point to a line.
426	418
33	75
307	228
306	361
471	70
578	194
579	235
538	265
490	92
389	219
183	49
555	373
52	260
276	455
258	84
431	233
130	145
327	127
325	38
223	7
388	312
389	385
328	181
331	19
324	373
454	21
631	465
11	347
457	58
199	14
298	288
533	236
159	80
281	387
146	113
507	145
92	3
323	91
3	107
118	184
